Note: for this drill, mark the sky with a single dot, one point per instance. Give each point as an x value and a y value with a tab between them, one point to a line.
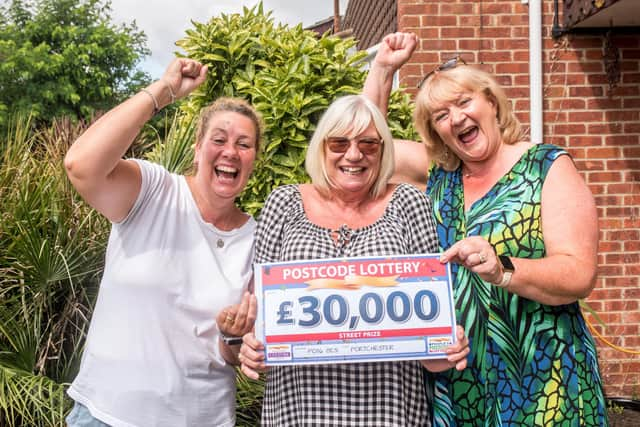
165	21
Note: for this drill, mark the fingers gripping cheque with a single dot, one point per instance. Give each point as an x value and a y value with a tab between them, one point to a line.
387	308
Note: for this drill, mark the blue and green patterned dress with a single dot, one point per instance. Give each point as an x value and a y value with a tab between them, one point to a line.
531	364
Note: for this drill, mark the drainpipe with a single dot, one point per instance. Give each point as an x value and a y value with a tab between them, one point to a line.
535	69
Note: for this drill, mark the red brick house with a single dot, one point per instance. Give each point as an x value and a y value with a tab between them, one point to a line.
572	69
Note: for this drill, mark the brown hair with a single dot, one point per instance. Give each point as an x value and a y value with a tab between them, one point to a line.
235	105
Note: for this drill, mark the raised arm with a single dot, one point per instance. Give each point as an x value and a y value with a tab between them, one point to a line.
94	162
394	51
411	161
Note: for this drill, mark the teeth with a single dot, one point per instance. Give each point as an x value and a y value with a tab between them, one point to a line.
352	170
464	132
226	169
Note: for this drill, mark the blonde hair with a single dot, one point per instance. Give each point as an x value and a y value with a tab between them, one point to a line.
349	116
445	86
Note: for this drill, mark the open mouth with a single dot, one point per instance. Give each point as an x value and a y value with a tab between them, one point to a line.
226	172
468	134
350	170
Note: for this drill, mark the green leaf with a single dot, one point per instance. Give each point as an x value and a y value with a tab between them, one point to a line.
65	58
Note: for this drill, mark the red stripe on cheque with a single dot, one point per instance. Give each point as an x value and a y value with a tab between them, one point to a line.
329	336
408	267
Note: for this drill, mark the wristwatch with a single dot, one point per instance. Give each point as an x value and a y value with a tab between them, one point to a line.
507	271
230	340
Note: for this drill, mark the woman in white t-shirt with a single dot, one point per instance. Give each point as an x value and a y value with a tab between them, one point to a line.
178	264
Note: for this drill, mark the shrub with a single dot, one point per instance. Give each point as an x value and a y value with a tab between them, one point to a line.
52	243
51	255
290	76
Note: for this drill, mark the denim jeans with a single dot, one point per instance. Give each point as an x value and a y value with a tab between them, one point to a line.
81	417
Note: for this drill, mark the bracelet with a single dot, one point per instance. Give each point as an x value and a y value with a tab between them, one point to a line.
173	95
230	340
154	99
506	280
507	271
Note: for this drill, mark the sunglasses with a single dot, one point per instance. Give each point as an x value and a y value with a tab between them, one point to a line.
341	144
447	65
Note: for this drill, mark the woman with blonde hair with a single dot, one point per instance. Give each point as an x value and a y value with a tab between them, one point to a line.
349	210
178	266
519	225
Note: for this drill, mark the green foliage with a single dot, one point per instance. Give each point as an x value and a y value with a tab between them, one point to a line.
400	116
175	150
51	252
65	58
290	76
248	400
51	242
614	408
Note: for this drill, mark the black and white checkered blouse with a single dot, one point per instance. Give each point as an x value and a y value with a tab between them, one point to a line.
350	394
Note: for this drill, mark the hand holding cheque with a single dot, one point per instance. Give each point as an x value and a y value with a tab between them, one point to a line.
354	310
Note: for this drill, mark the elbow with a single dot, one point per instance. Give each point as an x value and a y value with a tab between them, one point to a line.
579	277
73	166
588	278
582	285
69	164
578	287
587	285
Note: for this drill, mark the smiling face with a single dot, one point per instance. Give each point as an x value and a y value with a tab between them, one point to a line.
353	172
225	155
476	98
468	126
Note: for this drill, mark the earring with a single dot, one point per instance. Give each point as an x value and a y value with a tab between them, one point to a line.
446	154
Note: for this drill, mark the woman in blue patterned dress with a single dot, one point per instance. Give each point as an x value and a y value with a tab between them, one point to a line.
520	226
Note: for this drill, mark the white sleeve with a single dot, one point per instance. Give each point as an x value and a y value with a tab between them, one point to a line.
155	180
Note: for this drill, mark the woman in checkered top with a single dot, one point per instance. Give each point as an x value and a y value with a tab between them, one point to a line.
350	209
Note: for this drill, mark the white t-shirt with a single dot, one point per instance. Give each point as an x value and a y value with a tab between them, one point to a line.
152	356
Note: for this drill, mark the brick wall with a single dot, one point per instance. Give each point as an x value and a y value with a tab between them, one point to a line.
370	20
598	123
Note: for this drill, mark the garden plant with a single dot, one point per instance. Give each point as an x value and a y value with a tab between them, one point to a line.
52	244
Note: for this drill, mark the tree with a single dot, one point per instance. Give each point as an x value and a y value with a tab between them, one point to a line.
290	76
52	243
66	58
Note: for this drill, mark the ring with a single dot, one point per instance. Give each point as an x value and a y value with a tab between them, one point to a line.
483	258
230	319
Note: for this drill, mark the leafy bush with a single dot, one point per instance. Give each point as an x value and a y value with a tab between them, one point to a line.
51	255
52	243
290	76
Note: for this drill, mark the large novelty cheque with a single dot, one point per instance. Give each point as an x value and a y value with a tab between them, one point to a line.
355	309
